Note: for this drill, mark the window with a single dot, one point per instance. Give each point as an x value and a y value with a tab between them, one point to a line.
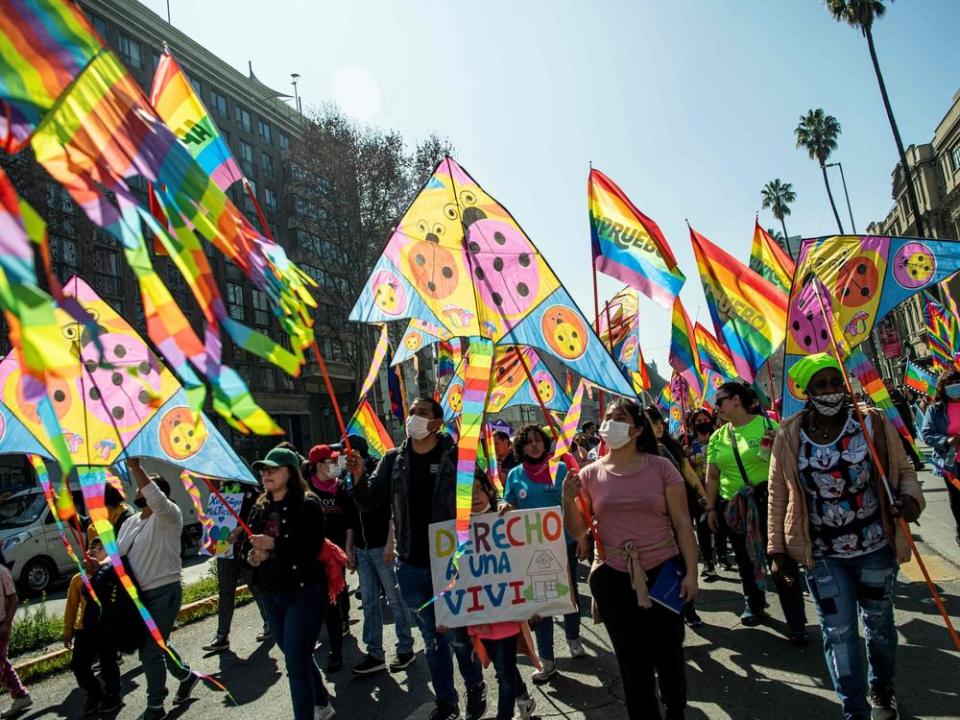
62	207
100	25
219	103
197	87
63	251
261	308
263	128
270	199
243	119
129	50
955	157
233	272
316	273
266	164
268	378
155	57
106	270
245	154
284	141
235	301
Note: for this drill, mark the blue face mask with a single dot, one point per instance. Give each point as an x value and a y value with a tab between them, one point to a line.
952	391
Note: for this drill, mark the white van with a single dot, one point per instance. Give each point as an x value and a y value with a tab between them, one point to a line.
28	532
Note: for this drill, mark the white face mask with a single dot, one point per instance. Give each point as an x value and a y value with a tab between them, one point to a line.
615	434
417	427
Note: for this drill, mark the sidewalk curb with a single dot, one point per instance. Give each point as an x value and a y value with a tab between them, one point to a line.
186	613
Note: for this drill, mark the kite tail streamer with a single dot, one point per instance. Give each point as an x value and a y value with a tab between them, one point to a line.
205	522
40	468
379	353
476	385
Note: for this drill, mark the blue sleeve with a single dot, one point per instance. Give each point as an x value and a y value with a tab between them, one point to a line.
934	430
510	490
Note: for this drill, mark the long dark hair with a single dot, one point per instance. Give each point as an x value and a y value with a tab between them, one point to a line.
692	419
297	490
947	377
748	396
667	440
645	441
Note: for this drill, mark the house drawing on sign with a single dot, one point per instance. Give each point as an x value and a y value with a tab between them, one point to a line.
546	574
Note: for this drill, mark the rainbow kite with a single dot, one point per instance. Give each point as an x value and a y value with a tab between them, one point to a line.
628	245
367	425
749	313
476	384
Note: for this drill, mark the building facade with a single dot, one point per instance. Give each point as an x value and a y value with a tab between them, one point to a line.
260	129
935	169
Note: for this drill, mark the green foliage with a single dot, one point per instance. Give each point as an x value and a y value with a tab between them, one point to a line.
35	629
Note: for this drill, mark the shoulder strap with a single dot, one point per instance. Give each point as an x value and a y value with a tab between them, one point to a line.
736	454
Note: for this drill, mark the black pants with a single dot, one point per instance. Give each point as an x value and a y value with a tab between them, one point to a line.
87	647
230	574
648	643
337	614
791	597
953	495
510	685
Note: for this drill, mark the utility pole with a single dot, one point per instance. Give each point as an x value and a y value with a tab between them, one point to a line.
296	93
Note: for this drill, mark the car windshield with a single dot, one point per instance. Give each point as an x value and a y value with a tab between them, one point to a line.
21	510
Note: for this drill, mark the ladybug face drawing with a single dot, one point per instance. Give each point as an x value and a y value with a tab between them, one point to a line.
857	281
433	267
914	265
564	332
455	398
180	435
388	293
545	386
412	341
508	373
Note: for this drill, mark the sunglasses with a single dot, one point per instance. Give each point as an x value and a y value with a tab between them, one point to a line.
835	383
720	399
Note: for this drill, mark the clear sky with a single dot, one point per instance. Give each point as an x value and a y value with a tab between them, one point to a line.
690	106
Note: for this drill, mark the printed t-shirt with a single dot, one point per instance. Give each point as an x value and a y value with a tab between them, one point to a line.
844	509
748	437
423	477
633	508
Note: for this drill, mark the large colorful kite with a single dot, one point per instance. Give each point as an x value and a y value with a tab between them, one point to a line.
864	277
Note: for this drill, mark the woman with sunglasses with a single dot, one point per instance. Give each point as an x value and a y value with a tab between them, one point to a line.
830	511
738	465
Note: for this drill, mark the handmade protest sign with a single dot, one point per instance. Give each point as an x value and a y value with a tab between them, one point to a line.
222	523
511	568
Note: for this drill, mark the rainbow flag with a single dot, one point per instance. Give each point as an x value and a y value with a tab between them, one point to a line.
684	358
367	425
713	355
859	364
749	313
942	334
919	380
175	101
769	260
628	245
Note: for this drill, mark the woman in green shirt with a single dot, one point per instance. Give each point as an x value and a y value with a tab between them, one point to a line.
738	464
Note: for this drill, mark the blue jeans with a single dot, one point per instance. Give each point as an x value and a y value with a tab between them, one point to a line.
510	686
843	588
163	603
295	619
416	588
374	575
543	629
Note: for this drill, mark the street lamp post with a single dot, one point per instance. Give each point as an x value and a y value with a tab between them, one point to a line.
845	194
296	94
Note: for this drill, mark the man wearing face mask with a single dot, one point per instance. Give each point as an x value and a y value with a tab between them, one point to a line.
829	510
150	540
419	480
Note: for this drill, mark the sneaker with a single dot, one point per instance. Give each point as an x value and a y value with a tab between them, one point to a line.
726	563
749	618
883	703
155	712
324	712
476	702
369	665
110	703
445	712
334	664
549	670
185	688
265	635
219	643
709	572
693	620
19	705
525	706
403	661
576	648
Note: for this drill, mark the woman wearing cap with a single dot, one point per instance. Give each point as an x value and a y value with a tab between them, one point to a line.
941	431
738	465
288	526
831	511
322	472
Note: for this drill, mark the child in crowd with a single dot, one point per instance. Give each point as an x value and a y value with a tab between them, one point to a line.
9	677
498	643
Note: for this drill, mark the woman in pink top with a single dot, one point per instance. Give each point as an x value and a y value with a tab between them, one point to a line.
941	431
638	504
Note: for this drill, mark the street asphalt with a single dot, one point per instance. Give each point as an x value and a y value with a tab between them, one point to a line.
733	672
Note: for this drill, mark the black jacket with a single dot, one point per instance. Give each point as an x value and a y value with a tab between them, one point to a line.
390	483
299	534
372	526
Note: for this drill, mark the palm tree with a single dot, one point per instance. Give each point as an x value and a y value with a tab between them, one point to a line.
818	133
775	234
861	14
777	196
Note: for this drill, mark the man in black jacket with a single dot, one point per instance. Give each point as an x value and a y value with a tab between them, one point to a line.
419	481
